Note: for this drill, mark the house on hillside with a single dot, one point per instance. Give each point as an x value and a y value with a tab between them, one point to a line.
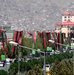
67	25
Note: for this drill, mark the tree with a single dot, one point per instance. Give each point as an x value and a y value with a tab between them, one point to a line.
13	69
2	72
36	70
28	43
63	68
39	44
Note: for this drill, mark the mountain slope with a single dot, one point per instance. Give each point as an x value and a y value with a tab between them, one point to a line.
33	14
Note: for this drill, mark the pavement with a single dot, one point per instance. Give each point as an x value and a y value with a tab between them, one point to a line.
6	67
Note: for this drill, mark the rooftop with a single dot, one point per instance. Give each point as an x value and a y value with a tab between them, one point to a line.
68	13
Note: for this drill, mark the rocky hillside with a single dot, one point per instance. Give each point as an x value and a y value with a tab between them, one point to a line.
33	14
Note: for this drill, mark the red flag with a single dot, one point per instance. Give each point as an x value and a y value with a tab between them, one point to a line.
62	38
3	39
34	37
14	39
58	40
0	31
48	37
20	37
4	46
44	39
17	38
39	34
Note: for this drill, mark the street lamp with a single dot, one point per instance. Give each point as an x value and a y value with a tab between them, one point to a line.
16	44
52	41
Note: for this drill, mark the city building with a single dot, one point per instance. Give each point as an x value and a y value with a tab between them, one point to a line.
67	25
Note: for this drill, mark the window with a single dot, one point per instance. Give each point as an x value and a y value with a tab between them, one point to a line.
68	16
65	17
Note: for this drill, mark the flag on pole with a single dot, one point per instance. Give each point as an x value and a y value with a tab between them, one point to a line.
49	48
17	38
20	54
52	35
44	39
33	52
69	39
48	38
64	37
58	39
67	46
34	37
38	50
14	39
3	57
39	34
33	45
20	36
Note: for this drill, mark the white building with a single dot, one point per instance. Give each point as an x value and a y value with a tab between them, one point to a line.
67	16
67	23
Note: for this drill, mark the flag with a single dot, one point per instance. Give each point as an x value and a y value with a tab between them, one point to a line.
52	35
15	40
39	34
33	52
44	39
33	45
10	47
49	48
64	37
20	54
61	39
3	57
67	46
3	46
38	50
36	33
3	39
58	40
69	39
48	38
20	36
34	37
0	31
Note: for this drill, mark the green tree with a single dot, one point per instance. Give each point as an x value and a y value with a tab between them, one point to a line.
2	72
63	68
39	44
13	69
36	70
28	43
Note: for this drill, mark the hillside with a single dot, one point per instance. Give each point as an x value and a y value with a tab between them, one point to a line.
33	14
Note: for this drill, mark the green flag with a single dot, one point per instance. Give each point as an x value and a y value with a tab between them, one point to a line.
33	52
49	48
36	33
67	46
38	50
20	54
10	47
33	45
3	57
